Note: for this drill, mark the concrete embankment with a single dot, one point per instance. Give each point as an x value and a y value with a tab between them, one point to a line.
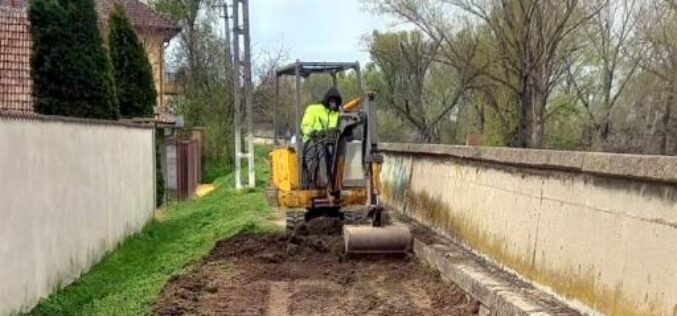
599	230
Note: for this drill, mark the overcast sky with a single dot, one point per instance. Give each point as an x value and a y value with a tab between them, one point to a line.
311	30
314	30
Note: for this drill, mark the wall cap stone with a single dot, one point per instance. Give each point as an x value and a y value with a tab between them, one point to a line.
642	167
28	116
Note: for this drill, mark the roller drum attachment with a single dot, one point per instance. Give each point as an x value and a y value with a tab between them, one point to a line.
367	240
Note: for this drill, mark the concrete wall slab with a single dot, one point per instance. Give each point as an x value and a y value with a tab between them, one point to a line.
70	191
599	230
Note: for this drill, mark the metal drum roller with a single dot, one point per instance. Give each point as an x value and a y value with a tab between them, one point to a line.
367	240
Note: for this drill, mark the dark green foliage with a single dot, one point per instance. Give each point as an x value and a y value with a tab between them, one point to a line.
214	169
70	67
132	71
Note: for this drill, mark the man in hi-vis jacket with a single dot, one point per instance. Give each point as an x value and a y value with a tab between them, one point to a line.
317	121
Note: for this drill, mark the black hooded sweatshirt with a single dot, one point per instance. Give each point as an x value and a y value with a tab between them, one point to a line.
332	93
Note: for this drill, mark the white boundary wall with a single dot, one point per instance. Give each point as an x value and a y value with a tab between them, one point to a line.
70	191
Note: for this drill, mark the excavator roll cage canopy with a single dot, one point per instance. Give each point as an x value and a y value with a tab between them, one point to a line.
301	70
305	69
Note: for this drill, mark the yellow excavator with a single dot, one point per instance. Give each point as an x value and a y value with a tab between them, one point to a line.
353	172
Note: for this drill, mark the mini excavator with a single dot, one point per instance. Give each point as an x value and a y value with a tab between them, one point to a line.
353	186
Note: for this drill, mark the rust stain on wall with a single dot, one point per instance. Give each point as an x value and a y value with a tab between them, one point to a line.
575	284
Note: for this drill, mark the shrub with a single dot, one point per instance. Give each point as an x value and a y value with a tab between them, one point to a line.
70	67
133	73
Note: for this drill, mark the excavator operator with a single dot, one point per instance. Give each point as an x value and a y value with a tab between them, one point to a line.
318	122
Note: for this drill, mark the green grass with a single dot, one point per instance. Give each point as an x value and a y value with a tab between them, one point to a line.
213	170
129	279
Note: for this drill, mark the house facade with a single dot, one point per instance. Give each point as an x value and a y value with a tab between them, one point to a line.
15	56
153	29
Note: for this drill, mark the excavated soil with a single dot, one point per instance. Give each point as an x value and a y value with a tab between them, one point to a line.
305	274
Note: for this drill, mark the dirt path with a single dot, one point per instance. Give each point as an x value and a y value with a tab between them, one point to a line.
305	275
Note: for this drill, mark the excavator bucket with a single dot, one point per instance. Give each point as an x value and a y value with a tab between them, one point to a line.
369	240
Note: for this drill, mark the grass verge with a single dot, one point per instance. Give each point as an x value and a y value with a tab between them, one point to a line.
129	279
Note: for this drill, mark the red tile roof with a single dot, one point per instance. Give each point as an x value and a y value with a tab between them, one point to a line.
15	3
15	46
15	54
143	17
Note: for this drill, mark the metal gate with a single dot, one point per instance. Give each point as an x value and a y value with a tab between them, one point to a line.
188	168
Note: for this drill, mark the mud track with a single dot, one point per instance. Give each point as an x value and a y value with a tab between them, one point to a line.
305	274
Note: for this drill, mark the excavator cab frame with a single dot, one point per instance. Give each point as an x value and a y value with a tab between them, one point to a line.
302	70
288	190
355	114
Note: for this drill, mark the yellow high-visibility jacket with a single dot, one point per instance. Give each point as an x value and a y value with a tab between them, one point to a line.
318	118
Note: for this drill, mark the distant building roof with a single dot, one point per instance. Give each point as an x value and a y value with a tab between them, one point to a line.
15	3
15	56
143	17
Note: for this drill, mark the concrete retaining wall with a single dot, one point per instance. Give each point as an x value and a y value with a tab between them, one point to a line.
70	191
599	230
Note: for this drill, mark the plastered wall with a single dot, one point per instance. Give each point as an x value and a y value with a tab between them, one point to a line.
599	230
70	191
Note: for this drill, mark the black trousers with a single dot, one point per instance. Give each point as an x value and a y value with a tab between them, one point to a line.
317	158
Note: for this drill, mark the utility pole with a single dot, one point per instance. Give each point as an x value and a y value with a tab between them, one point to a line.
226	32
237	101
248	92
241	34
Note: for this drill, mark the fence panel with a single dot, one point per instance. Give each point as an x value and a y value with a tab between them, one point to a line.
188	168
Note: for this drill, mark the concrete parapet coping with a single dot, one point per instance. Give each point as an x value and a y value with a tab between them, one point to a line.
499	292
642	167
15	115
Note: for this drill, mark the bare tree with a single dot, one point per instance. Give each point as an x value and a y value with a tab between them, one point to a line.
532	43
601	72
202	63
188	13
659	32
453	50
405	60
266	65
531	36
411	64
